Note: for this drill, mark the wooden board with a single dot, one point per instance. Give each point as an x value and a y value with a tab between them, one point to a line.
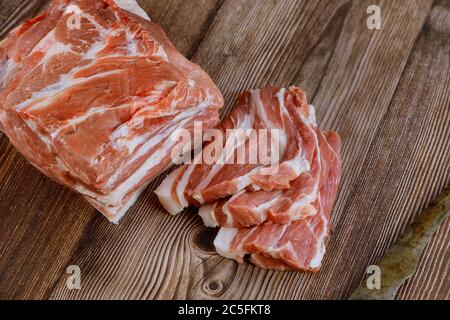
385	91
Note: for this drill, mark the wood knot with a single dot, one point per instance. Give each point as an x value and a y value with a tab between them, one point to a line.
204	239
213	287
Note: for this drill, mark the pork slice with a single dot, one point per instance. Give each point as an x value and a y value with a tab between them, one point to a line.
249	208
299	245
272	109
267	262
91	92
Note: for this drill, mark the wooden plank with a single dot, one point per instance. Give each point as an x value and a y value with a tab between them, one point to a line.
352	73
426	83
41	223
185	21
431	281
381	200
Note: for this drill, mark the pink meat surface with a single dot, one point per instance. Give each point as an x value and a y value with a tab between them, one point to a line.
280	219
299	245
248	208
90	93
282	111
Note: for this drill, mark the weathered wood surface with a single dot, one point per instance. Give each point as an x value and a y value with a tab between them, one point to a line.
386	91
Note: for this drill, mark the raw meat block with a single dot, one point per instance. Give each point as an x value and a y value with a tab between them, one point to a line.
277	120
90	94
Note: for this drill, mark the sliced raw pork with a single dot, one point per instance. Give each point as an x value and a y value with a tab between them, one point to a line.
249	208
299	245
91	91
281	119
280	219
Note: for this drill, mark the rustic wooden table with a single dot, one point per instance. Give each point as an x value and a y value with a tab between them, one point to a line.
386	91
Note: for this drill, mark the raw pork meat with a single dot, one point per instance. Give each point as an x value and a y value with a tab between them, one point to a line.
299	245
279	218
267	111
249	208
90	94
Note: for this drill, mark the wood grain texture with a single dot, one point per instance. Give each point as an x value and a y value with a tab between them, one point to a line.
428	78
185	21
386	92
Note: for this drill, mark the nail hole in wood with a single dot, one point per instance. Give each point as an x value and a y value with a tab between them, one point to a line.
213	287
